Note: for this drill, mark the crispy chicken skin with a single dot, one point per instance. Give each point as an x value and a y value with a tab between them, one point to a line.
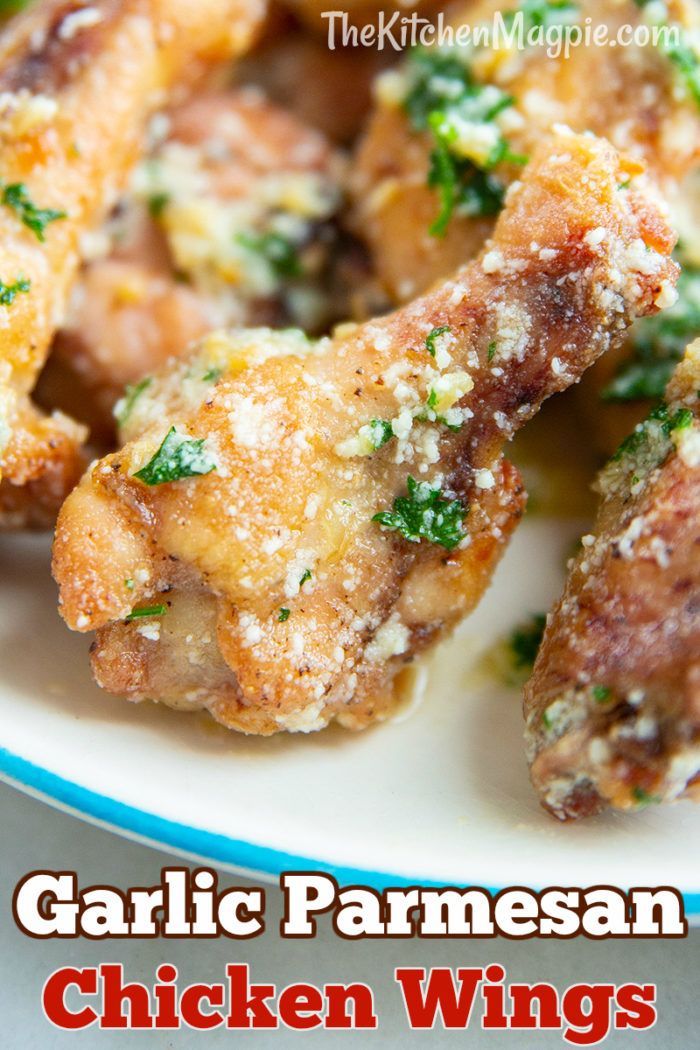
288	603
621	389
613	706
183	252
76	87
631	95
45	460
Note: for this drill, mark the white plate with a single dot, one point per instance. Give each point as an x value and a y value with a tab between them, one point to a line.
440	794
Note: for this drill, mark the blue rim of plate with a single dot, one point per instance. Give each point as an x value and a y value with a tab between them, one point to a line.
244	857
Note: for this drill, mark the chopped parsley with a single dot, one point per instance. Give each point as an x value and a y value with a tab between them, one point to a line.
645	449
444	100
16	197
684	57
212	375
148	612
429	415
9	292
525	642
659	421
305	578
177	458
601	693
431	405
10	7
157	203
279	252
491	351
284	615
133	392
460	184
424	515
380	432
632	444
436	75
680	421
644	798
454	427
368	439
658	344
682	54
129	584
435	335
541	14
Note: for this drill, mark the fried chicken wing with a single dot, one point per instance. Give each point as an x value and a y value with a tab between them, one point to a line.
289	523
621	389
229	220
76	86
45	459
613	706
454	126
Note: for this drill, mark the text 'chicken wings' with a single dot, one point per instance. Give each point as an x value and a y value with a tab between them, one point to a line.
289	523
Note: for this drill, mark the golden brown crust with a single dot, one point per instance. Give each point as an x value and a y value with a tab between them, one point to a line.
230	166
613	706
78	85
45	460
631	96
295	491
651	347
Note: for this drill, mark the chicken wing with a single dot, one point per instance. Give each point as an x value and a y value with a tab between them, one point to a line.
453	127
45	459
622	388
289	523
77	83
228	221
613	706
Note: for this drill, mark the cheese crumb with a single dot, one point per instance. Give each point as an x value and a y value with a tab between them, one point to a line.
595	237
251	630
308	720
391	639
484	479
150	631
448	389
77	20
667	296
25	111
492	262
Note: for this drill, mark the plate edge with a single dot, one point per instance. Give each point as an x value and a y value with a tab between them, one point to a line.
233	855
